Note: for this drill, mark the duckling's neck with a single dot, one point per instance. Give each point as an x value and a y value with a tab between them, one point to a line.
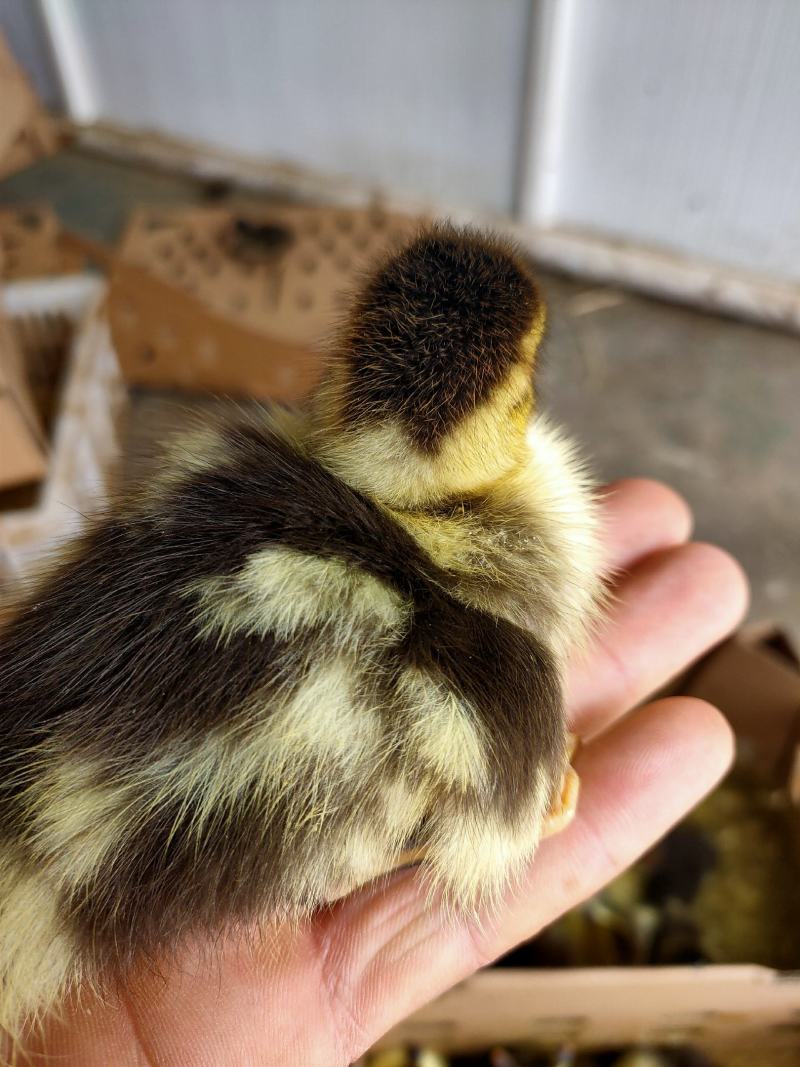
381	462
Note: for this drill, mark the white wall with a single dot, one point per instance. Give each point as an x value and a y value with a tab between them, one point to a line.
424	95
676	123
671	125
21	22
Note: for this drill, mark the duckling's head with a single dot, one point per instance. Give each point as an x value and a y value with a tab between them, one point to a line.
430	385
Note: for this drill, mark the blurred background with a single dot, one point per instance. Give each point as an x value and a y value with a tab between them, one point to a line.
187	187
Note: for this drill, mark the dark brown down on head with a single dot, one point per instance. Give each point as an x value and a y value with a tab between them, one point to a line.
436	329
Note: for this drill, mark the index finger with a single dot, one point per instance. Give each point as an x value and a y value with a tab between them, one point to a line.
640	516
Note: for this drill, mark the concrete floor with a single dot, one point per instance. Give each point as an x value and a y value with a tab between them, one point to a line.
707	404
710	405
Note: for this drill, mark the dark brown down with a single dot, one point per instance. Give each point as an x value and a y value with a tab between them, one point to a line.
105	662
435	330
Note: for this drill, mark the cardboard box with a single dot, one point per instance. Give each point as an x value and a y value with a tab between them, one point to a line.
85	436
23	453
241	302
593	1009
26	131
29	248
755	680
32	244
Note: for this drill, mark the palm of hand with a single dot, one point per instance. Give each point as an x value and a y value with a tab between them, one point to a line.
320	994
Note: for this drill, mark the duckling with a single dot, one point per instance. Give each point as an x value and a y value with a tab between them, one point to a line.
314	640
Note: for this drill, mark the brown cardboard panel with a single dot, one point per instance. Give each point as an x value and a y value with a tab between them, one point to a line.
168	338
26	133
13	381
44	341
18	99
31	244
758	691
85	435
240	301
593	1008
22	449
21	459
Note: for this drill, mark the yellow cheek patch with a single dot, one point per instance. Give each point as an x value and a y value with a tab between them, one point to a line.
533	338
382	460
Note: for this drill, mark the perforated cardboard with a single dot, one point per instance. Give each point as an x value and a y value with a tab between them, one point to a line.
239	302
32	244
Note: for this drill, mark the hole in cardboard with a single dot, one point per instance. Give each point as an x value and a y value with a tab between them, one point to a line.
21	496
30	220
256	241
217	189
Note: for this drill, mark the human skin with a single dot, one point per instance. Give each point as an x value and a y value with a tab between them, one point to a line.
318	994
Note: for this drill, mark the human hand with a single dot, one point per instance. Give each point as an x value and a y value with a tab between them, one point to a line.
320	993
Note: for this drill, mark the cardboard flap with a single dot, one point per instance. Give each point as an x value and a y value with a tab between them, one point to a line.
240	300
757	688
26	130
22	446
18	101
602	1007
31	244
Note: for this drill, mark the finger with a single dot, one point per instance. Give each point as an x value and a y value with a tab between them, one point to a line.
641	516
669	610
638	779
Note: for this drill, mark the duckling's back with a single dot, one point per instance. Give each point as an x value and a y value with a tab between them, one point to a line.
257	682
